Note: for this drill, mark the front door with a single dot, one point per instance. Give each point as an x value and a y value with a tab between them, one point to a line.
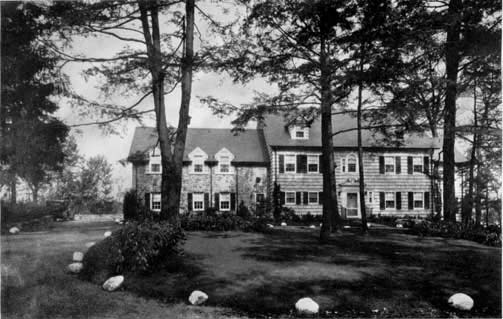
352	204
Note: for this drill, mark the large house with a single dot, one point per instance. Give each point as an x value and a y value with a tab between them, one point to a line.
222	169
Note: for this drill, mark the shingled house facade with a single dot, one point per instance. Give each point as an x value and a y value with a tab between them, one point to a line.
222	169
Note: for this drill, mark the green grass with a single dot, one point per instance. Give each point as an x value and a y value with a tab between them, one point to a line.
258	275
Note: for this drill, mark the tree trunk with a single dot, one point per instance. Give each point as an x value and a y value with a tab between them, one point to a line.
13	189
360	151
452	58
478	198
487	205
468	209
330	205
34	192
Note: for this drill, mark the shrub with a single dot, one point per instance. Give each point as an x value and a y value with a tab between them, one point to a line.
288	215
131	206
136	247
243	211
211	211
222	222
490	236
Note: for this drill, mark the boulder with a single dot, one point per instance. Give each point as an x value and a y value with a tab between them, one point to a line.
270	226
283	224
197	297
14	230
78	256
113	283
75	268
346	227
307	306
312	226
107	234
461	301
90	244
399	226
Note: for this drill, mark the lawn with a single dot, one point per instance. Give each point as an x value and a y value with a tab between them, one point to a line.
385	274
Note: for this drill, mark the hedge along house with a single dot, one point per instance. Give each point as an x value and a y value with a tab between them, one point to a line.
221	169
397	175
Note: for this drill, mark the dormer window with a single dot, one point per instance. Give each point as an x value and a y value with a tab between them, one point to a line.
298	132
198	156
224	158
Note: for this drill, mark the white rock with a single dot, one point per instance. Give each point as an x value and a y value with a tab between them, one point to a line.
321	224
78	256
307	306
283	224
312	226
14	230
270	226
369	225
197	297
113	283
399	226
75	267
119	221
347	227
90	244
107	234
461	301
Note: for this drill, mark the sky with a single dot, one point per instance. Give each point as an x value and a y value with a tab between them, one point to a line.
92	140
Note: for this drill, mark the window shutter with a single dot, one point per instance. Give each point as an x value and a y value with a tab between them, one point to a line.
382	205
282	197
281	163
301	163
305	198
298	198
398	165
398	200
206	200
217	201
233	201
147	200
426	200
409	164
189	201
320	197
411	200
381	164
320	164
426	165
343	165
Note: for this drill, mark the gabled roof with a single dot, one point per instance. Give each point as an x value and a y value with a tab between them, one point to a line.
245	146
276	134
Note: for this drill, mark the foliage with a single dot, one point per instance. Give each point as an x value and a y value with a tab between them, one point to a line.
21	212
243	211
131	205
220	222
31	137
490	236
137	247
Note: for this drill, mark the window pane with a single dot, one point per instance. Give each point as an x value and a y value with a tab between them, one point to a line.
224	168
299	134
290	197
155	168
198	168
260	198
313	167
313	197
352	167
418	168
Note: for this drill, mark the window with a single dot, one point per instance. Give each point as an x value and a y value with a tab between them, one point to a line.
351	163
225	201
156	152
313	197
259	198
155	201
155	168
390	200
299	134
198	163
290	197
198	201
224	164
418	200
417	163
389	164
312	163
290	163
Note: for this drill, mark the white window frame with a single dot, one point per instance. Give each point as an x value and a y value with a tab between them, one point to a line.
387	197
313	160
292	160
309	198
227	196
195	198
415	161
418	195
389	161
351	156
224	160
298	128
152	201
286	198
154	159
198	160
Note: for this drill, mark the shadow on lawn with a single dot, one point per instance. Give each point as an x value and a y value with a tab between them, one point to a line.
351	276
